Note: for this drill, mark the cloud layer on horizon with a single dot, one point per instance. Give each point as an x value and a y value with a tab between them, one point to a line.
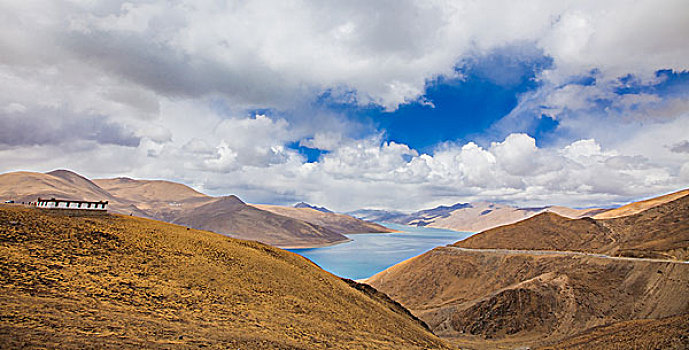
170	89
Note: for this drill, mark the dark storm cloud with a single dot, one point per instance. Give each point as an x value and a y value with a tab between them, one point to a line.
57	127
171	72
680	147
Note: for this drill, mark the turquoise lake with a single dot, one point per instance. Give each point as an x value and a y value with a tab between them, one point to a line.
370	253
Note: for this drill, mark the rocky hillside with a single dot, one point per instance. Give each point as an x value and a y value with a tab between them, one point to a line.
486	299
550	279
667	333
125	282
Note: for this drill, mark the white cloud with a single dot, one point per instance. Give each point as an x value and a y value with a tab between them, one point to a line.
161	90
270	52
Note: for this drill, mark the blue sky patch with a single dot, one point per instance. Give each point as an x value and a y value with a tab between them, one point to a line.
312	154
453	109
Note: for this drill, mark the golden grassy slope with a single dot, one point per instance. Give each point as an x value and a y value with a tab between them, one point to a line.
123	282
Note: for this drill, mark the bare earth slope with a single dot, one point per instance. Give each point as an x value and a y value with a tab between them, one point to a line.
229	215
174	202
486	299
148	190
637	207
660	232
127	282
340	223
163	200
549	278
545	231
28	186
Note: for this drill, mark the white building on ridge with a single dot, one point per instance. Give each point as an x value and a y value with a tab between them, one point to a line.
70	204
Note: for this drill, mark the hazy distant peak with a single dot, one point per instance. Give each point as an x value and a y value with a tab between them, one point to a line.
442	210
232	199
307	205
125	179
66	174
454	206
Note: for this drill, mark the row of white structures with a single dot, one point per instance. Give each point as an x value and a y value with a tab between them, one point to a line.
70	204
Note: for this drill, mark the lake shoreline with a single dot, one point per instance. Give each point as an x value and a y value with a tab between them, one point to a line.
366	254
324	245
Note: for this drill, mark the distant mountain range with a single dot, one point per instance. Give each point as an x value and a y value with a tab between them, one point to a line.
336	222
302	205
180	204
378	215
481	216
469	217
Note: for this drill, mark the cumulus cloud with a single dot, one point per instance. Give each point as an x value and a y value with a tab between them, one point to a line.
267	53
515	169
169	90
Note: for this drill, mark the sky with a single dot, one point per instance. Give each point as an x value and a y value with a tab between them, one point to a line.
354	104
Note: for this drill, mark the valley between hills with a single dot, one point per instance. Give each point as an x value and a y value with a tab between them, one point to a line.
151	274
179	204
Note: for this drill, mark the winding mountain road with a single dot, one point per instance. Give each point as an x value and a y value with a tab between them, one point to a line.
562	252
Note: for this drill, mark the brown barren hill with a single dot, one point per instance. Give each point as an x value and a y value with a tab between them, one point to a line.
148	190
504	299
112	281
163	200
24	186
339	223
637	207
549	278
171	202
230	216
545	231
660	232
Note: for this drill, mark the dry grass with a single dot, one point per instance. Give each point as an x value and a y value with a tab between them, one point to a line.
667	334
122	282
